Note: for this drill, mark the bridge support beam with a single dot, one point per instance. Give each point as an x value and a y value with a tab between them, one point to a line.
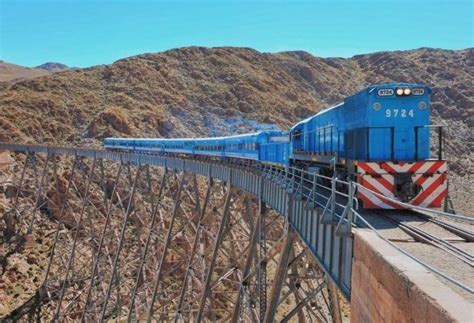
132	237
280	277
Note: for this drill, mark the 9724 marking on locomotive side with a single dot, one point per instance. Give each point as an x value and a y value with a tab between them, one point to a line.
399	113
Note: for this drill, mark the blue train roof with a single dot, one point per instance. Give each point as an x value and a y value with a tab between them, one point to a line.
304	121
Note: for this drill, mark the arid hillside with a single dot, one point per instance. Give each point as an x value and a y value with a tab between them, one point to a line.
206	91
12	72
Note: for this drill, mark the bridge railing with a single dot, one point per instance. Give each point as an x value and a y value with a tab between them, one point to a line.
337	200
333	200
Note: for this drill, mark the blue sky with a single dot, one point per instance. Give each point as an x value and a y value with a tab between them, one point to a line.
85	33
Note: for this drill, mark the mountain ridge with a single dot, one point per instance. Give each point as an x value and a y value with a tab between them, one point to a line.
180	92
13	72
53	67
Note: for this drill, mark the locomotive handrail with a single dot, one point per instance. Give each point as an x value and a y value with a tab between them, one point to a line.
439	129
318	131
348	132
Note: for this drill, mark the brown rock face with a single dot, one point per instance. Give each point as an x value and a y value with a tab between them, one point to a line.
5	160
55	196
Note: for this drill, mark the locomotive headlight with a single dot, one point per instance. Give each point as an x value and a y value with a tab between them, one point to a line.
407	91
399	91
376	106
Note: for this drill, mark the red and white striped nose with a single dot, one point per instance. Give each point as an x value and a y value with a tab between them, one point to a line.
381	179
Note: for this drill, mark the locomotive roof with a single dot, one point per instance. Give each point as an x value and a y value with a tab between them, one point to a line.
314	116
368	89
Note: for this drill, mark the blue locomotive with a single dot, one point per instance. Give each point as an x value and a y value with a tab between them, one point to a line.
379	136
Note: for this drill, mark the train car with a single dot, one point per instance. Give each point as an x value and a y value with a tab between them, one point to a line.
265	146
381	136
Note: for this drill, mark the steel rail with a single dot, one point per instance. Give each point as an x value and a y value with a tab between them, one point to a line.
462	232
428	238
406	253
418	208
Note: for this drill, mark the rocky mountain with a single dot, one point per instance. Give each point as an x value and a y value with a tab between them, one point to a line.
53	67
10	72
207	91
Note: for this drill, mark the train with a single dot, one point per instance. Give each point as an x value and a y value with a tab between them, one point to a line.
379	137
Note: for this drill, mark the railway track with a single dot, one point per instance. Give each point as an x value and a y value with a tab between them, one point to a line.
424	236
468	235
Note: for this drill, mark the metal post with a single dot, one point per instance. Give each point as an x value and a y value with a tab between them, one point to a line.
344	225
335	308
101	243
217	244
262	269
194	249
248	264
440	143
299	189
38	194
120	242
279	277
294	282
25	166
416	143
159	270
61	213
78	227
155	209
10	218
303	303
392	144
331	204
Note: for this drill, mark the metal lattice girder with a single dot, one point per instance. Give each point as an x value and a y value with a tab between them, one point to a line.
127	238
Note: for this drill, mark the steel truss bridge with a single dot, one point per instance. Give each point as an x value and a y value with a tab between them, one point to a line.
122	236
